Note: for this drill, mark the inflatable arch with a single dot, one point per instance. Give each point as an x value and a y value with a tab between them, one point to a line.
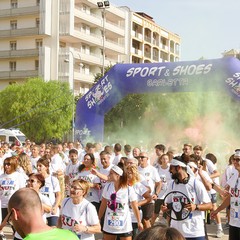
123	79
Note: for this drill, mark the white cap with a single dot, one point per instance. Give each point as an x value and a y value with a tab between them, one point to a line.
192	164
117	170
237	153
175	162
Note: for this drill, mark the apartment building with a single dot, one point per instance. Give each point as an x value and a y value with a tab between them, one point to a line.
90	37
28	39
72	40
232	53
150	42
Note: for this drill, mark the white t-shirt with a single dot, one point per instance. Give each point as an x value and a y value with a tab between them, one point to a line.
93	193
9	184
210	169
34	163
151	176
72	170
234	183
165	177
229	171
118	221
83	213
192	226
116	159
49	189
57	163
139	189
104	171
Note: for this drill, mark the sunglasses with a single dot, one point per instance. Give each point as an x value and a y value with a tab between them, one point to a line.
141	157
113	204
7	164
236	159
31	180
76	188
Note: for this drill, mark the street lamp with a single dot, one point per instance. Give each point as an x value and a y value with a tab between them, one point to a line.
73	99
103	5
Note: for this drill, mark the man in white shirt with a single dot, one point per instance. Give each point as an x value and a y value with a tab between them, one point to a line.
150	174
117	152
196	199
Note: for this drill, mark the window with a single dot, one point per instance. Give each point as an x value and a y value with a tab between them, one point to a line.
13	45
14	3
13	66
36	64
37	22
38	43
13	24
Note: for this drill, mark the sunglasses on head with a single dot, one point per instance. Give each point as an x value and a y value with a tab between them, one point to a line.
113	204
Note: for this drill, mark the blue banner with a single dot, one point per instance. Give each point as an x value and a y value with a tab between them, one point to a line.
123	79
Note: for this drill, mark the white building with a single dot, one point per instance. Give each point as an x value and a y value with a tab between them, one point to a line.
66	39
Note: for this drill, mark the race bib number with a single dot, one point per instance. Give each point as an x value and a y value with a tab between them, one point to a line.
115	221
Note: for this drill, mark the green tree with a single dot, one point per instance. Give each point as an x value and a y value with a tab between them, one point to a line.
40	109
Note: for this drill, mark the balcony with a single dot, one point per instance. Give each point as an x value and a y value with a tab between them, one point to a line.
147	55
95	40
147	39
156	42
94	20
14	12
19	53
18	74
136	51
19	32
137	35
81	77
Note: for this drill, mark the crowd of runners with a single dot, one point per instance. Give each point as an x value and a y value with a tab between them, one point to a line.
122	191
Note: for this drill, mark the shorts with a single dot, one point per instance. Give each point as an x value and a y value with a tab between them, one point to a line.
157	206
214	198
147	211
127	234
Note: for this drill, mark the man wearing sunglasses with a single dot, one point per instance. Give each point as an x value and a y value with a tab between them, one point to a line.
151	177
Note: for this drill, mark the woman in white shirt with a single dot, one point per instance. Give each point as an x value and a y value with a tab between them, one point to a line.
78	214
115	201
85	173
10	182
51	189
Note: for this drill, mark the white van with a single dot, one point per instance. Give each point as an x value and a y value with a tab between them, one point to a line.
12	136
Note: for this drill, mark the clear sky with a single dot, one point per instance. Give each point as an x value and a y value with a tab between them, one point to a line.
207	27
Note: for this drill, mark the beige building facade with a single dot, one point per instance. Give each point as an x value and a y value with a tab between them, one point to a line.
150	42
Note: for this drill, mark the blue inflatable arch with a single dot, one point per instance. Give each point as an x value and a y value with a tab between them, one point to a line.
123	79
